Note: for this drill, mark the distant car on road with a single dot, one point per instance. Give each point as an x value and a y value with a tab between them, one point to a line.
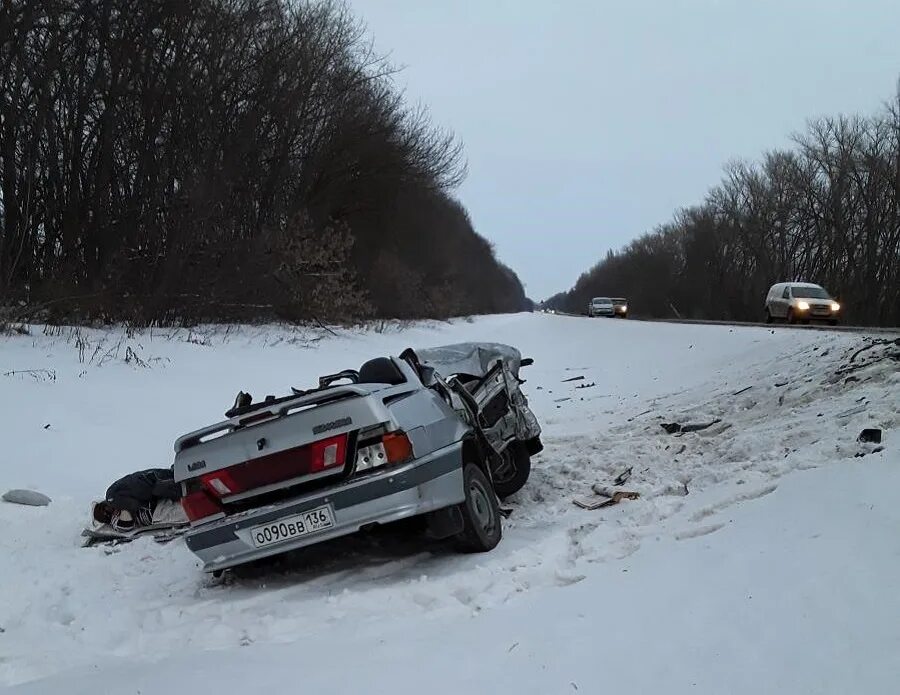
601	306
801	302
620	307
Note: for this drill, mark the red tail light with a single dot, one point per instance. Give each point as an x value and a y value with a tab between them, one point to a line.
328	453
397	447
275	468
199	505
221	483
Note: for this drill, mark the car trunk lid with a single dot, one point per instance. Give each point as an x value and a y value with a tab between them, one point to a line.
307	441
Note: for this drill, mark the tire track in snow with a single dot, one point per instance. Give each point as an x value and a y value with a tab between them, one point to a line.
698	532
705	512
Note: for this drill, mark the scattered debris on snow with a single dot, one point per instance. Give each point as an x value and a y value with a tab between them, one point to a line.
604	497
622	477
676	428
870	435
851	412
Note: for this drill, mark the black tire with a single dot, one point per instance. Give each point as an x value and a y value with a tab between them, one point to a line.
833	322
769	318
482	525
790	318
516	458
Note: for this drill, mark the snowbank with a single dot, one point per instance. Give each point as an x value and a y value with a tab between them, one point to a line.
564	599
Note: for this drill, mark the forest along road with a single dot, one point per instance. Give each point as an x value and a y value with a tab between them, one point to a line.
771	529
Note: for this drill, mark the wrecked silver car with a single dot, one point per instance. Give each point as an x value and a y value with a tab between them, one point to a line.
489	372
441	432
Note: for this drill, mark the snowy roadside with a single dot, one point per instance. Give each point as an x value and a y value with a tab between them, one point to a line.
797	594
75	609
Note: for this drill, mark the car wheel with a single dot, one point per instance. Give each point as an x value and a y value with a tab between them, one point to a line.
515	471
833	322
790	318
480	512
769	318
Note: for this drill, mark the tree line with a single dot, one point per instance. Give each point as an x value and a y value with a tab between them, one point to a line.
165	160
827	210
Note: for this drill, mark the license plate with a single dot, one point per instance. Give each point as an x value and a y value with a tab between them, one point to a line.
290	527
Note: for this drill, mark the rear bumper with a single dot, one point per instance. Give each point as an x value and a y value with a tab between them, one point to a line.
429	483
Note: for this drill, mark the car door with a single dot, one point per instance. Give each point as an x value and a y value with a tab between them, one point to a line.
784	302
496	416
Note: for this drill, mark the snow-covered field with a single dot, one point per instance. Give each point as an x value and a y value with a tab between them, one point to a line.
763	555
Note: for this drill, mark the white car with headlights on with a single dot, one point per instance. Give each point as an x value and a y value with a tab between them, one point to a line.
620	307
801	302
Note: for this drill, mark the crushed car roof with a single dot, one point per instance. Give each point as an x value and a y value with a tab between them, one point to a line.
475	359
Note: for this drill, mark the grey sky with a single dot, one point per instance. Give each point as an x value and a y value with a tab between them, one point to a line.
588	122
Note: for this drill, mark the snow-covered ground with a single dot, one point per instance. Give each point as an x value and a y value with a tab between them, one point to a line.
728	575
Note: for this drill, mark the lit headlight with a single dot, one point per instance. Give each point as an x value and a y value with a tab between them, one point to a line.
624	307
803	306
835	306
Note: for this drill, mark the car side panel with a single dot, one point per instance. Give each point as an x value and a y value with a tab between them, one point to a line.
429	421
779	304
775	302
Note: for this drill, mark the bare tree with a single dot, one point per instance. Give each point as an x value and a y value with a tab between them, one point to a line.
167	160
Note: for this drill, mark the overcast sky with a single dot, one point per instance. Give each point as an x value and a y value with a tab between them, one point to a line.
587	122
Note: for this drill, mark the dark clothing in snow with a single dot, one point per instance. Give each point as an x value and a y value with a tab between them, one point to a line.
143	489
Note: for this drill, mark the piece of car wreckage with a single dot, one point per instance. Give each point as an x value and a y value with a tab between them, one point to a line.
442	432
